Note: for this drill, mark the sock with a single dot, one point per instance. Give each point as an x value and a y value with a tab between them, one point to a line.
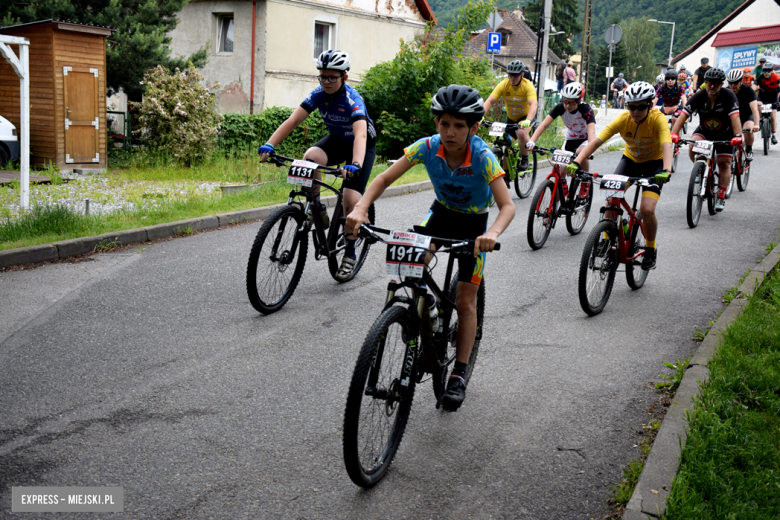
350	249
460	370
749	148
650	243
722	193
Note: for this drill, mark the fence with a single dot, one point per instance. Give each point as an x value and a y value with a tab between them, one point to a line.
120	128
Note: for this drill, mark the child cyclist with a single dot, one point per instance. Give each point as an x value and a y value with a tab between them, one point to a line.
648	153
578	118
351	138
466	177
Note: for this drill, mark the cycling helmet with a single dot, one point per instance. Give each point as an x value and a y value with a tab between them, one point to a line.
705	60
333	60
620	75
670	74
714	74
682	67
515	67
659	78
459	99
735	76
573	90
682	76
640	91
762	59
768	67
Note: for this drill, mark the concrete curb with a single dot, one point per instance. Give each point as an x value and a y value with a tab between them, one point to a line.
655	481
80	246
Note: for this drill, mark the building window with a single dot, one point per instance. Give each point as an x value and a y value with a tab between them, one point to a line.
323	32
504	39
225	38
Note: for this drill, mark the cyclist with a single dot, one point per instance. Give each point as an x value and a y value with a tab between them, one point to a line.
519	97
748	108
351	138
682	80
747	77
698	74
760	67
682	70
619	85
718	110
648	153
672	94
768	83
659	82
576	116
466	177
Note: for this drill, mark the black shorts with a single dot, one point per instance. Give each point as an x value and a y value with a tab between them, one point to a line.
645	170
445	223
571	145
339	151
767	98
720	149
744	120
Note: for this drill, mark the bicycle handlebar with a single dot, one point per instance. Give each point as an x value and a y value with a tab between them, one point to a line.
454	245
279	160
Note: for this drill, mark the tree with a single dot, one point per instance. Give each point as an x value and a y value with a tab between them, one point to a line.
141	40
639	38
597	85
566	17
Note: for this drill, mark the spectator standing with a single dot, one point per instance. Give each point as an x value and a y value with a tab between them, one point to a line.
560	72
570	76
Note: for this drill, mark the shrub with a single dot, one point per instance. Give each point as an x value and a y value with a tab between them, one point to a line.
243	132
178	114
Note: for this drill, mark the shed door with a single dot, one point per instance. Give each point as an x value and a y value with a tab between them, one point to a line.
81	115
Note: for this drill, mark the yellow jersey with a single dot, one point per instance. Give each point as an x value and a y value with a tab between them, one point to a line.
516	99
644	140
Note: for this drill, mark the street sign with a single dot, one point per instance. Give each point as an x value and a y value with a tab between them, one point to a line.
494	20
610	71
494	43
613	34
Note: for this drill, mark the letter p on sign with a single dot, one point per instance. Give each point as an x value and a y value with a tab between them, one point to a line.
494	43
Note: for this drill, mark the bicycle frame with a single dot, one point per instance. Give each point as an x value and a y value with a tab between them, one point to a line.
709	164
618	206
557	175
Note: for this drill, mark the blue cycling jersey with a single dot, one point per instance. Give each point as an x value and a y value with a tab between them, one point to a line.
467	189
340	111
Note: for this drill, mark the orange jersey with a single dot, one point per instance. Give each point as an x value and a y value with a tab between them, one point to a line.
748	79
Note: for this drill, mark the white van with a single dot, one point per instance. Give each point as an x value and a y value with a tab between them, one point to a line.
9	142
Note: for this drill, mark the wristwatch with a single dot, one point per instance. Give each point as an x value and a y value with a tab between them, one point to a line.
356	165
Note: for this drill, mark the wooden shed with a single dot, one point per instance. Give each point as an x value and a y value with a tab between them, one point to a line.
67	93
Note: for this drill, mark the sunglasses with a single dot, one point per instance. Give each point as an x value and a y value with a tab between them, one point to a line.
513	74
637	108
573	102
715	83
328	79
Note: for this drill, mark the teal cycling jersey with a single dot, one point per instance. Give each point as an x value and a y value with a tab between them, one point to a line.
467	188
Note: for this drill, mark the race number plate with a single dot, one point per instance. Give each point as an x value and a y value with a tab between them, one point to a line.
301	173
562	158
406	254
497	129
703	147
766	108
614	186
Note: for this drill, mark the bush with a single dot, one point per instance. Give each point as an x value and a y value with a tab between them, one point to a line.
243	132
178	114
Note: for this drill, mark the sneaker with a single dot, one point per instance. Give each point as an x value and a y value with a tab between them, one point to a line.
774	139
648	259
346	268
749	155
454	395
524	164
720	204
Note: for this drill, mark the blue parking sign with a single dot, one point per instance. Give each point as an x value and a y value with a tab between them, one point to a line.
494	43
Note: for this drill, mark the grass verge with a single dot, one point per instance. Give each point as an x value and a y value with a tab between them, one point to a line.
730	467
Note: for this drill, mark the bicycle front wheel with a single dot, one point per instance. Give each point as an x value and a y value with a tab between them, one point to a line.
744	175
378	404
524	181
765	133
635	275
597	268
337	242
276	262
733	181
578	216
693	210
674	160
541	215
712	192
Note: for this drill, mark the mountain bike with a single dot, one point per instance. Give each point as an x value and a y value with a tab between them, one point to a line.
740	168
676	150
400	349
509	158
704	180
765	124
624	244
553	198
279	251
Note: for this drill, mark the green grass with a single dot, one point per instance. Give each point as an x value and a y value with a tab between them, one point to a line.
730	467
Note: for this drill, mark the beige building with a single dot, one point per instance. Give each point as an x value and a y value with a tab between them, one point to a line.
288	35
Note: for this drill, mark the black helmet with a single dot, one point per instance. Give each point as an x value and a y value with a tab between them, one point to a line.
705	60
459	99
670	74
714	74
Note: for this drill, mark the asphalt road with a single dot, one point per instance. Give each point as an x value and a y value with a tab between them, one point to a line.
148	369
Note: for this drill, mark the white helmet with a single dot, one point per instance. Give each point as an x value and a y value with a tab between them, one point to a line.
573	90
660	78
640	91
734	75
333	60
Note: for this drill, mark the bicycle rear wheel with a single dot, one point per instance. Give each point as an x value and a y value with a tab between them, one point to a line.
744	175
378	405
635	275
275	267
541	215
693	210
576	220
597	268
337	242
524	181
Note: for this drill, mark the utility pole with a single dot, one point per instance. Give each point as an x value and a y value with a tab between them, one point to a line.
542	65
586	29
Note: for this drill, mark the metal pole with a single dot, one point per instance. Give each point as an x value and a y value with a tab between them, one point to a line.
543	64
24	83
670	47
609	80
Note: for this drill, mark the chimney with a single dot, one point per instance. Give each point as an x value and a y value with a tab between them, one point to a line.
519	12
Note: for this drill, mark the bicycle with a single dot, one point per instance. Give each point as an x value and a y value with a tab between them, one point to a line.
392	360
502	149
765	124
624	244
740	169
553	199
704	182
271	286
